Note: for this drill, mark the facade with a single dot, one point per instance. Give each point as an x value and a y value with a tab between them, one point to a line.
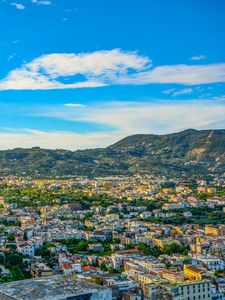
193	290
215	230
213	263
40	270
193	273
26	250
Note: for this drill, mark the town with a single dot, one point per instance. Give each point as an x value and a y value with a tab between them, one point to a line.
119	237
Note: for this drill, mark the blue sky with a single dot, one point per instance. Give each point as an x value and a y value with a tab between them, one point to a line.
82	74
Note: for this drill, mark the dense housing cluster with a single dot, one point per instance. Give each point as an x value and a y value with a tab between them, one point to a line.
138	237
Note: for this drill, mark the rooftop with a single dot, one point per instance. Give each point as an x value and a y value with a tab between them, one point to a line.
49	288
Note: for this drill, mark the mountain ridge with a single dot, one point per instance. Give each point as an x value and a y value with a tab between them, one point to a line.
187	151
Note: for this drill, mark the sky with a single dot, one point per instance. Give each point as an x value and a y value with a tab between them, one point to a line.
79	74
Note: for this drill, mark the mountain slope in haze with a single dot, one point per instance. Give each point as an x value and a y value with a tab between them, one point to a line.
189	151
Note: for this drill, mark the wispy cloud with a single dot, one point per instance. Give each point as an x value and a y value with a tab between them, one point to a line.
11	56
101	68
174	92
41	2
180	74
198	57
123	118
19	6
183	92
74	105
142	117
169	91
27	138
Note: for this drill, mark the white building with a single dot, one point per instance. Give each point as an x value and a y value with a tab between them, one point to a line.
26	249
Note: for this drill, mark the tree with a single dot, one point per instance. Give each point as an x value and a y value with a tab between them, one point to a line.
219	273
103	266
175	248
25	237
147	250
82	245
11	237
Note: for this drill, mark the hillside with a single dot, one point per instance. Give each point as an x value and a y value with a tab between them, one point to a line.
190	151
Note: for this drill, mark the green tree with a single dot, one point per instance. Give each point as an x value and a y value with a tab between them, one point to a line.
11	237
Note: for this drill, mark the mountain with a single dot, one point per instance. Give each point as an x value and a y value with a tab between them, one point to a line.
187	152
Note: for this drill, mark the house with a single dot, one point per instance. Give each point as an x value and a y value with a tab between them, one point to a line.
212	263
173	276
26	249
96	247
69	268
218	230
89	269
194	290
40	270
193	273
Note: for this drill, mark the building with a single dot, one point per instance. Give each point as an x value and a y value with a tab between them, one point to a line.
131	296
40	270
96	247
153	291
26	249
215	230
173	276
212	263
193	273
55	287
195	290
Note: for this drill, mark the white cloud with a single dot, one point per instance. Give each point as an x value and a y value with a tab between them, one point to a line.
198	57
98	69
103	68
41	2
181	74
27	138
175	92
11	56
19	6
119	119
140	117
74	105
169	91
183	92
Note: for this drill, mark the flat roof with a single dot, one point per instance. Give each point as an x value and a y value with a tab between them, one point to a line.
49	288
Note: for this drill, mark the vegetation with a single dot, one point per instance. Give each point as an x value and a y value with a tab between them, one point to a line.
170	249
16	266
173	153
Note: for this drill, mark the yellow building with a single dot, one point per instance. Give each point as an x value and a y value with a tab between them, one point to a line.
197	248
162	242
172	276
206	189
199	240
144	279
215	230
2	201
193	273
178	230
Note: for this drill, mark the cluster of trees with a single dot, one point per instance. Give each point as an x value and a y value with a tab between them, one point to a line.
170	249
34	197
18	269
